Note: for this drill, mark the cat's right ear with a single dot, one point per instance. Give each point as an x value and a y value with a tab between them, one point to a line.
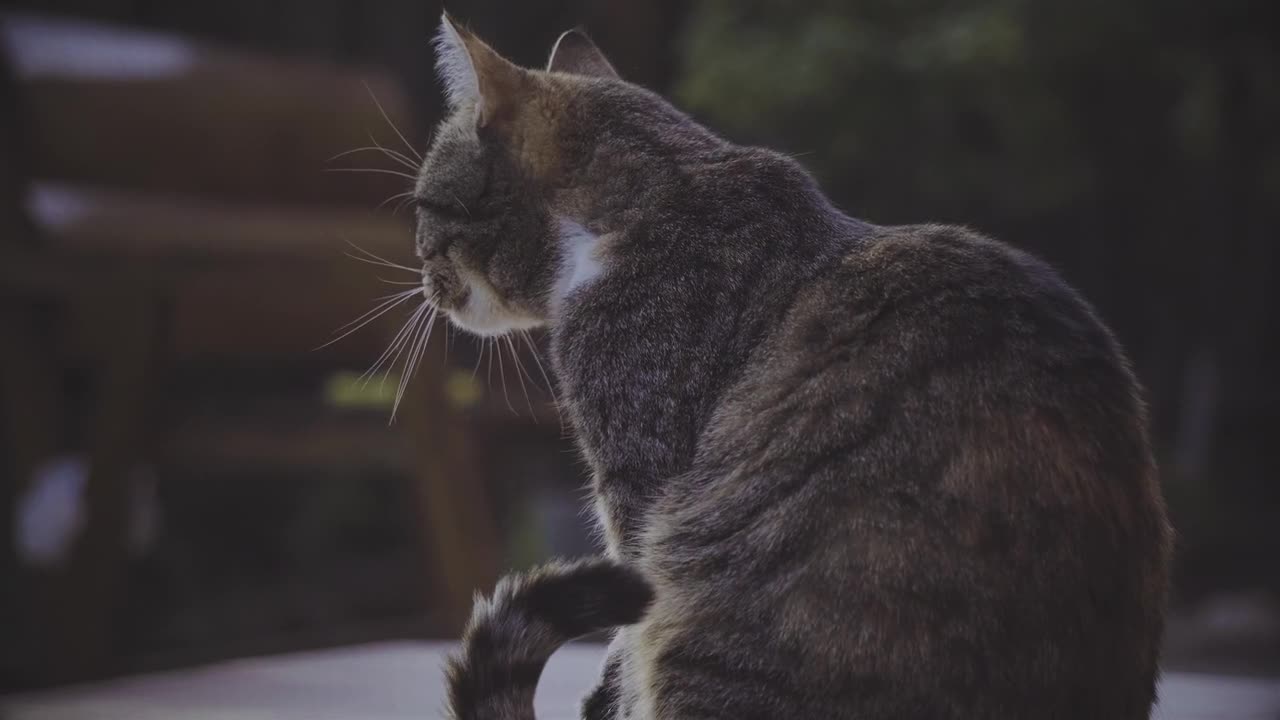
574	53
472	72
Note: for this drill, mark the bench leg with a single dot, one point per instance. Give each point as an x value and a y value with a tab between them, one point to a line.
73	609
31	405
457	519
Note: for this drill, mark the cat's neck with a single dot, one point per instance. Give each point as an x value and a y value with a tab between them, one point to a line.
706	189
697	208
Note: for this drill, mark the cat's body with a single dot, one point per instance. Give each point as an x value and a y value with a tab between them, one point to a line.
868	472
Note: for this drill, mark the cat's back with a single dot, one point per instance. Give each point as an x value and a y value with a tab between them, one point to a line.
970	327
935	474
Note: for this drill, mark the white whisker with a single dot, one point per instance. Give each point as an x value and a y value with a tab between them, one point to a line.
460	204
488	342
520	373
376	171
386	117
395	154
479	358
533	350
381	302
503	374
414	359
378	259
551	387
402	197
422	349
401	346
406	202
379	310
393	266
419	340
425	327
376	148
395	346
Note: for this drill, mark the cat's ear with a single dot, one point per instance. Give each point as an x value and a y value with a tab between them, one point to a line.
474	72
574	53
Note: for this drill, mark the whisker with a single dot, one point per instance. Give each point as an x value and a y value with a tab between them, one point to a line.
419	341
460	204
479	358
380	303
502	374
396	346
488	342
406	202
533	350
386	117
402	197
401	282
378	370
422	350
551	388
394	154
370	316
415	358
379	258
393	266
405	342
429	311
376	148
378	171
448	332
520	376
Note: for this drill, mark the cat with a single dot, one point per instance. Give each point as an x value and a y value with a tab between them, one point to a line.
842	470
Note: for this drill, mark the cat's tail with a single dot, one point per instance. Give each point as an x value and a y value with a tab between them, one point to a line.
512	634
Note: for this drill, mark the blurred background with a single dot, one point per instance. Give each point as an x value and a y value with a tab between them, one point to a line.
185	478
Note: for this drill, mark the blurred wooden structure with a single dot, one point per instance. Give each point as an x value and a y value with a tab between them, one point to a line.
164	204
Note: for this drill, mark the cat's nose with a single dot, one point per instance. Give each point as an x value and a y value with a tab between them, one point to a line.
429	248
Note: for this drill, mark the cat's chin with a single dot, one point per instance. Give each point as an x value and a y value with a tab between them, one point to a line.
485	315
490	327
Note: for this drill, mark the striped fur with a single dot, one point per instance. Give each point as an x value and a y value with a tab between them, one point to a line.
871	472
529	616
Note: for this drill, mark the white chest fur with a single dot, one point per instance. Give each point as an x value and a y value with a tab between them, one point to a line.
580	262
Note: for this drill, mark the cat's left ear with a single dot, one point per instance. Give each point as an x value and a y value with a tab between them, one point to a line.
574	53
474	72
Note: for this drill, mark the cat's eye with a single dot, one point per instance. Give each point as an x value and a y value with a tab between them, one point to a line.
451	208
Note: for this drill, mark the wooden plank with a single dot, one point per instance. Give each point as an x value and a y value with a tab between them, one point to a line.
154	99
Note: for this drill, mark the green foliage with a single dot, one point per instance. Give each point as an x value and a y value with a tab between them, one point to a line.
987	110
883	96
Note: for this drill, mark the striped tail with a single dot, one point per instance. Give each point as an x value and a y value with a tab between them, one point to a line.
512	634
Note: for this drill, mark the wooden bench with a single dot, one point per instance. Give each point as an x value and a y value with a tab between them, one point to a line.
164	204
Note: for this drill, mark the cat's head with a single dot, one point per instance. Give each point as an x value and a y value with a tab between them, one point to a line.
527	163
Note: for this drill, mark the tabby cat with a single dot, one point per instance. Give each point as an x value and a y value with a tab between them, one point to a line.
843	470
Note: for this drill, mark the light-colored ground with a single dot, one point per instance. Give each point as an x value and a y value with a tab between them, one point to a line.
401	681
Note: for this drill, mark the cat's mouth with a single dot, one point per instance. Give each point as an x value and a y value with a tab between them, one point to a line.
471	301
442	286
